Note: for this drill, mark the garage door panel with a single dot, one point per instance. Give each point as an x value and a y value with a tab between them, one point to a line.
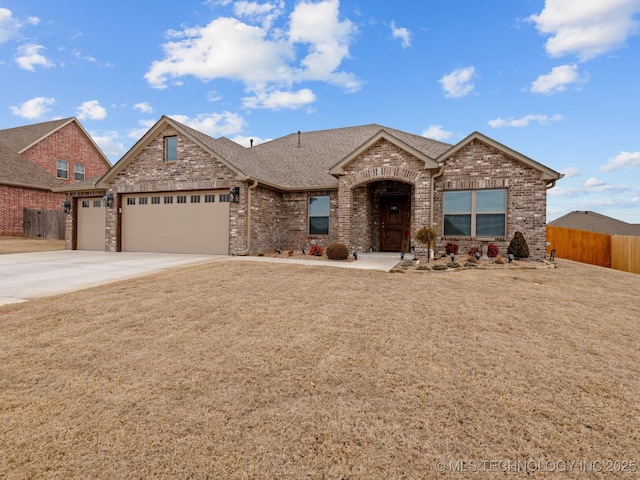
90	221
191	227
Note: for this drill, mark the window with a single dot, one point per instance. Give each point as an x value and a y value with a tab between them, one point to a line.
209	198
224	197
155	200
142	201
475	213
97	203
182	199
195	198
131	201
62	169
168	199
78	172
170	149
318	215
85	203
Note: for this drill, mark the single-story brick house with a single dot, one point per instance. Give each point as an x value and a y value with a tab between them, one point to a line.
37	159
369	187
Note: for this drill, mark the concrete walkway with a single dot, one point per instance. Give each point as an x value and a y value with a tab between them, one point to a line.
24	276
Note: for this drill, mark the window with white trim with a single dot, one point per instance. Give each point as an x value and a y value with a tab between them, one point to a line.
319	215
170	149
475	213
62	169
78	172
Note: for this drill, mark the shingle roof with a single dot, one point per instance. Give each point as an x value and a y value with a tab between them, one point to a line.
17	170
596	222
304	161
19	138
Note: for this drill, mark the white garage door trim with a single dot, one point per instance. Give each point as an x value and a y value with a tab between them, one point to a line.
91	220
176	222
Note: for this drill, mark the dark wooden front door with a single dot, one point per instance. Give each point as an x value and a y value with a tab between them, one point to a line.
394	224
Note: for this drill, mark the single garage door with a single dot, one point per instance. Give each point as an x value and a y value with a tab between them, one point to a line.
184	222
91	223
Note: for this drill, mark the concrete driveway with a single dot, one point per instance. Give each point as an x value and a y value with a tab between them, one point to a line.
24	276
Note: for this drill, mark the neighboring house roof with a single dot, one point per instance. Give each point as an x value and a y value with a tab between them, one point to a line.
596	222
17	171
312	160
19	139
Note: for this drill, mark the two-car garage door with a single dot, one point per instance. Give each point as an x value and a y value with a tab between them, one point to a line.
184	222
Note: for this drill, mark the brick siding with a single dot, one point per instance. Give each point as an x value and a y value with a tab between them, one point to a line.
14	199
71	144
480	166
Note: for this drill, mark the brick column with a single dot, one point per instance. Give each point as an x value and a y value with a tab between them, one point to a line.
345	203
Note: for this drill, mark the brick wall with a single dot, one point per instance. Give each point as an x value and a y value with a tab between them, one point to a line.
383	169
71	144
14	199
480	166
195	169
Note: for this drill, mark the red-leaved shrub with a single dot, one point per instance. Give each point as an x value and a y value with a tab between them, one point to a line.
492	250
316	250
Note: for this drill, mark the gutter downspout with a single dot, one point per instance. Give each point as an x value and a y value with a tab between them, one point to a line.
551	184
245	252
433	187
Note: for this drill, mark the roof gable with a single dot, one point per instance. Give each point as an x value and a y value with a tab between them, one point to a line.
338	168
546	172
202	140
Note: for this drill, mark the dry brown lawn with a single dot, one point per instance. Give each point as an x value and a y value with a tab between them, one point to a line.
24	245
254	370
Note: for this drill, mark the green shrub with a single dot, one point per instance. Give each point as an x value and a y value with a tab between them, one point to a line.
518	246
423	267
337	251
439	267
453	265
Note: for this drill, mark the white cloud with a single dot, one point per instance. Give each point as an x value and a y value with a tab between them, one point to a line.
586	28
9	25
571	172
622	160
557	80
436	132
401	33
143	107
34	108
91	110
593	182
29	57
261	56
213	124
110	144
524	121
246	141
458	83
265	13
138	133
280	99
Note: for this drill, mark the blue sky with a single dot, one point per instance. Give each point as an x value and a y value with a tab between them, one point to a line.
556	80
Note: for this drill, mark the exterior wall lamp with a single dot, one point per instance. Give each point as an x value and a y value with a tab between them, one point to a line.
66	206
107	200
234	195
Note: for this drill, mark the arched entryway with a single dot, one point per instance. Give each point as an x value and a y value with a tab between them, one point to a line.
382	216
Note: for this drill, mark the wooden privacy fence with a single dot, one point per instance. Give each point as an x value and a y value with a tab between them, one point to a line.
47	224
614	251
